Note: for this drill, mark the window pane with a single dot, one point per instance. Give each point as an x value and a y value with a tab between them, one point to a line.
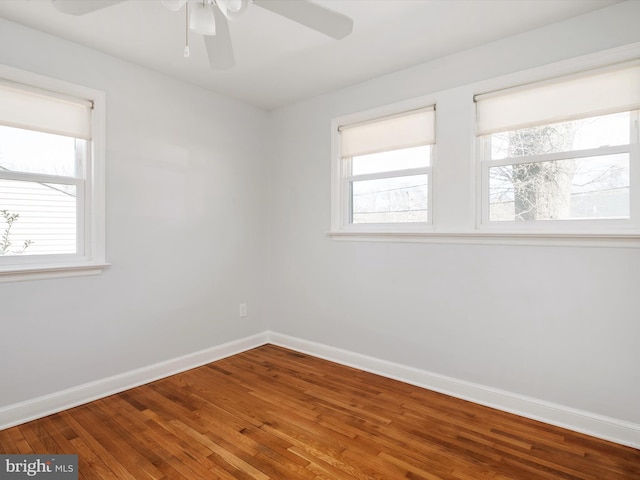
37	218
390	200
581	188
415	157
594	132
36	152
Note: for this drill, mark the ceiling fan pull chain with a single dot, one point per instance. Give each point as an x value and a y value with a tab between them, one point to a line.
186	32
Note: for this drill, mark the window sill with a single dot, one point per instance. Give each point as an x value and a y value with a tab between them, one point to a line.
18	274
622	240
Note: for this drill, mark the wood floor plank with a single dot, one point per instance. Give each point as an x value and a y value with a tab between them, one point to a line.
19	441
6	443
274	414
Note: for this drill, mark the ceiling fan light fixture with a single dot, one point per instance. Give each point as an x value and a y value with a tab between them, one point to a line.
202	19
232	8
174	5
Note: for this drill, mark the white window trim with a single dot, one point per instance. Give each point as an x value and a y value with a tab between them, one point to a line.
470	230
340	177
37	267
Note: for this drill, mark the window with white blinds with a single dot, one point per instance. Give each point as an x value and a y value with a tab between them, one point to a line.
561	152
385	166
50	210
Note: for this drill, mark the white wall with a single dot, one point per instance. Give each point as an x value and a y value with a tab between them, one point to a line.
559	324
185	230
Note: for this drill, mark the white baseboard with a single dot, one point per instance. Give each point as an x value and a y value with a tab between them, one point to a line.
39	407
607	428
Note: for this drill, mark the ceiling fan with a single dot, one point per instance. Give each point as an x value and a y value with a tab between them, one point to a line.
210	19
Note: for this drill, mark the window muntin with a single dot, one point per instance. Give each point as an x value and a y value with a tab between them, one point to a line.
580	169
386	169
51	177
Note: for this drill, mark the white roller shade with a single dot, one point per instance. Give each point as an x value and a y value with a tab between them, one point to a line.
50	113
396	132
598	93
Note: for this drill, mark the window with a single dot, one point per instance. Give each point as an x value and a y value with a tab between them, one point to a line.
51	174
562	154
385	170
544	156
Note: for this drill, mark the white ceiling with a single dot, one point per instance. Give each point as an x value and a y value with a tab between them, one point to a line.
278	61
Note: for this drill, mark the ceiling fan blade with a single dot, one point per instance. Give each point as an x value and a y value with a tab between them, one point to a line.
82	7
219	48
312	15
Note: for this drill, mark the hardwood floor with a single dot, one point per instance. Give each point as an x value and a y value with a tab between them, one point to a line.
271	413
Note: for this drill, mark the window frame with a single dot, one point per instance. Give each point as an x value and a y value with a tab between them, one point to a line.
342	177
90	256
349	178
572	225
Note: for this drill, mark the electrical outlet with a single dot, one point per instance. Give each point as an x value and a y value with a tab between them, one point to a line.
243	310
